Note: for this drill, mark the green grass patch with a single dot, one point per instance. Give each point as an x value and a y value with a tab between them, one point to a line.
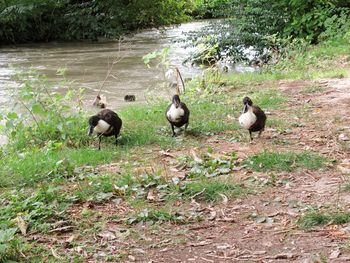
315	218
284	161
211	189
39	165
152	216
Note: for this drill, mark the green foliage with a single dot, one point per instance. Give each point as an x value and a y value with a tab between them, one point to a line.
37	209
208	8
259	30
54	119
41	20
212	190
284	161
10	246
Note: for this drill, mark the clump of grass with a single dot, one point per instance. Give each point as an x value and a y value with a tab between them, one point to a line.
313	88
284	161
315	218
157	215
210	190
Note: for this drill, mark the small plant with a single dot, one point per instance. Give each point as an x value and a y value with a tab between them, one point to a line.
211	190
284	161
315	218
37	210
43	116
210	166
9	245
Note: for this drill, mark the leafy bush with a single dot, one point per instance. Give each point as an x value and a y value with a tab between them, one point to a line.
44	117
257	30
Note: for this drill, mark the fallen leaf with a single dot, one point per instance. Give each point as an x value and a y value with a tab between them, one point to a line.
151	196
335	254
22	225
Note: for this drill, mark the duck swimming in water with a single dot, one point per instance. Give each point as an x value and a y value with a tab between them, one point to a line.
105	123
177	114
252	118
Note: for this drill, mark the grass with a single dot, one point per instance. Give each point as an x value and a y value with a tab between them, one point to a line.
211	190
315	218
284	161
39	166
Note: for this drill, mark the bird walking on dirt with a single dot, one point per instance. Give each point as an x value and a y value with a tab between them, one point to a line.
252	118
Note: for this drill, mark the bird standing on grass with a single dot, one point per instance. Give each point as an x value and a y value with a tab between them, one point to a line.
252	118
177	114
105	123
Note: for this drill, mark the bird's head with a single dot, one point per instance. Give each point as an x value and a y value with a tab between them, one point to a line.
247	102
176	100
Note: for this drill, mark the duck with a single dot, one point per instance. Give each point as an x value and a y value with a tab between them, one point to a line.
252	118
100	102
177	114
105	123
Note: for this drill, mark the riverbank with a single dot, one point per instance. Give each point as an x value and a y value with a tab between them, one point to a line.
210	192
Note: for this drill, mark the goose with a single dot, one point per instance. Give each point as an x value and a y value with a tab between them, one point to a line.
177	114
252	118
106	123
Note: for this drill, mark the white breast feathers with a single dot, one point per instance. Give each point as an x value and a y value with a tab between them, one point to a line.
247	119
101	127
175	114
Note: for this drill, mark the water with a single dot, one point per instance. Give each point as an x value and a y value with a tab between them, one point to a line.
87	63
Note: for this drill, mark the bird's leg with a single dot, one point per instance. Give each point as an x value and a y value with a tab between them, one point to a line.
116	139
172	127
99	142
186	125
250	135
259	134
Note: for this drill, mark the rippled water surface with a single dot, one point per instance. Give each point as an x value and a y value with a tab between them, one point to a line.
87	63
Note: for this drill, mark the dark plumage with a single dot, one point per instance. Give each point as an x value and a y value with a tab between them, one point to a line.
177	114
253	118
105	123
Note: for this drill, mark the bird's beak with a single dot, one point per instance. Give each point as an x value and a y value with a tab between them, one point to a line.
91	130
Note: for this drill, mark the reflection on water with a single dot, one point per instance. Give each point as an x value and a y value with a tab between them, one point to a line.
87	63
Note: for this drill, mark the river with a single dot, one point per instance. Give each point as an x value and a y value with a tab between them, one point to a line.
86	64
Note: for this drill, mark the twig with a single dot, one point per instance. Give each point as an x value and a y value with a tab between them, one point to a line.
31	113
178	75
110	67
197	194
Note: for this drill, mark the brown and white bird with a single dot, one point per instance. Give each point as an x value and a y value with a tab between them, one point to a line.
105	123
252	118
177	114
